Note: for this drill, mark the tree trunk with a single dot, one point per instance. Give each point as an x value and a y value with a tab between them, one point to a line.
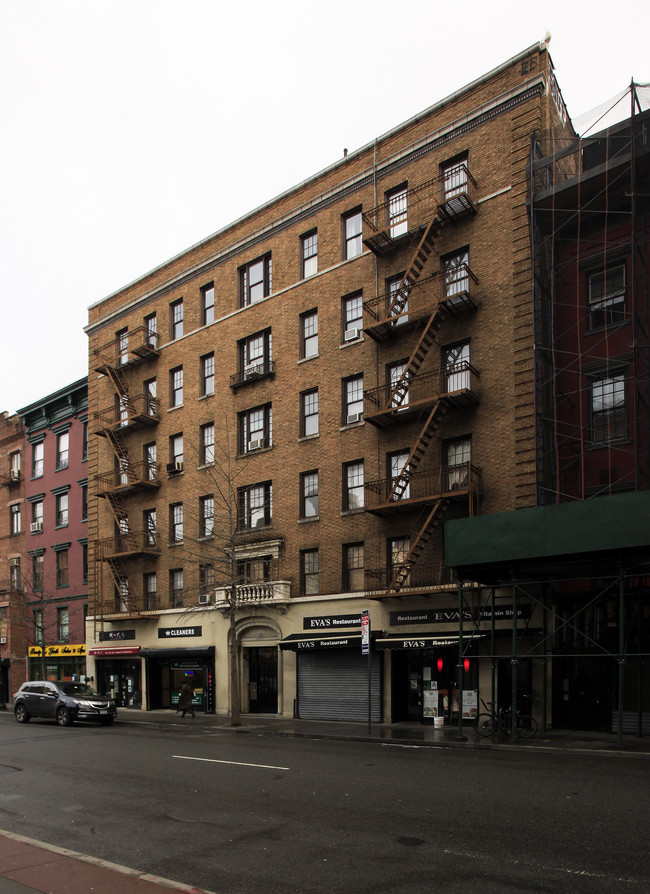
235	698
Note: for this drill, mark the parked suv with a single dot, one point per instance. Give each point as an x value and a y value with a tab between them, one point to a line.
63	702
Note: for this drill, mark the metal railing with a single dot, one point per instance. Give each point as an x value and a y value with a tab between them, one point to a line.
141	474
130	410
424	387
272	592
456	480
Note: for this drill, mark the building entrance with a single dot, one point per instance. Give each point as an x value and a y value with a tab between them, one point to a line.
122	680
262	679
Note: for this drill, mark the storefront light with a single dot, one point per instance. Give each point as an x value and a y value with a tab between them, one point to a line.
440	665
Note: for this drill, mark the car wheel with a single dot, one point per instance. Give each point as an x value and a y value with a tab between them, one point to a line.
20	713
106	721
63	717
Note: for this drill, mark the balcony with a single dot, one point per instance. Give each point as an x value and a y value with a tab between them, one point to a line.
427	576
128	414
458	484
252	372
458	386
128	545
127	350
276	593
129	478
388	227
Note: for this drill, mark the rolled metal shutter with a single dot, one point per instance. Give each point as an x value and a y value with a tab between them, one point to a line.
334	686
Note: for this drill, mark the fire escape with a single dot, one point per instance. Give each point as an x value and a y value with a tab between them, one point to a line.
127	413
414	310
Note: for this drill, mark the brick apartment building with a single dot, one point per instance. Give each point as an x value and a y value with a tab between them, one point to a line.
288	414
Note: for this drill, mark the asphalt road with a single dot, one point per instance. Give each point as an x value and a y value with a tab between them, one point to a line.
242	813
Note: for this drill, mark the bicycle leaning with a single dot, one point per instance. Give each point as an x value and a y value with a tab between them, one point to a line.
488	724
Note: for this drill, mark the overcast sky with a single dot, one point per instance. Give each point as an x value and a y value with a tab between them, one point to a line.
132	129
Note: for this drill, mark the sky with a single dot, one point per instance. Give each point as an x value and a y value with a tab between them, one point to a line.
133	129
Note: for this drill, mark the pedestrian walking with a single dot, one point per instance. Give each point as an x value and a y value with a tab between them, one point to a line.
185	699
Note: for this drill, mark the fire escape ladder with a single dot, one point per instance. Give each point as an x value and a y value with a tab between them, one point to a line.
117	508
416	264
419	449
117	381
420	351
403	569
118	572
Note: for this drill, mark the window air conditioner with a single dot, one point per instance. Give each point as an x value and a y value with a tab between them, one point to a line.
15	474
3	640
354	417
255	444
253	370
172	468
352	334
204	598
36	526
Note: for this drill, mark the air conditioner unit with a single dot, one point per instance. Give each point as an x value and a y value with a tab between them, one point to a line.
253	370
255	444
204	599
354	417
173	468
352	334
15	474
36	526
3	640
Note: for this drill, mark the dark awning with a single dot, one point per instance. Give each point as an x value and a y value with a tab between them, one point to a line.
298	642
179	652
420	641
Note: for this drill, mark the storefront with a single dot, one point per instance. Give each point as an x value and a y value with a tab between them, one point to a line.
61	662
168	668
118	673
332	678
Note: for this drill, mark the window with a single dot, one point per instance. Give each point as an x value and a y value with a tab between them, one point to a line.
38	626
255	506
206	578
150	588
455	270
608	412
454	178
176	319
62	624
255	281
255	428
84	502
206	433
84	440
309	494
176	588
397	302
37	516
353	490
84	562
15	576
176	523
255	355
309	250
122	340
396	202
151	467
207	374
149	525
207	304
37	571
353	567
309	572
151	401
607	297
309	413
352	317
176	451
14	466
458	457
176	386
151	330
206	516
457	368
254	569
399	475
352	245
14	519
398	384
61	510
37	460
122	409
309	334
352	400
122	595
62	568
398	550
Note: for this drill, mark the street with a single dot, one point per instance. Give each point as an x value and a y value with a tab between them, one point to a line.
240	813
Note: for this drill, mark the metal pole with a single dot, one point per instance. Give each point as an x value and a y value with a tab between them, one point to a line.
493	667
460	660
621	657
513	664
369	683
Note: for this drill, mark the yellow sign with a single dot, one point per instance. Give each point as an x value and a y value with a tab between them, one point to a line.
70	649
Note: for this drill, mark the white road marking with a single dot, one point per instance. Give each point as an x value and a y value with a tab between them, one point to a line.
209	760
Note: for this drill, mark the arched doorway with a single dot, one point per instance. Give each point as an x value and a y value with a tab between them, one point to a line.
260	666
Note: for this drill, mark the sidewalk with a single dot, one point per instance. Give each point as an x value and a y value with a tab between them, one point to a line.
28	866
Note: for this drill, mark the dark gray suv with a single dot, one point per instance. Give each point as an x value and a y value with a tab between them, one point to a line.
63	702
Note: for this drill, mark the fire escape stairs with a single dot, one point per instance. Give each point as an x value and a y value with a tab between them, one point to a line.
434	517
419	449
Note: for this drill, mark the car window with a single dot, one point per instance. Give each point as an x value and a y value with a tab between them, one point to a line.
77	689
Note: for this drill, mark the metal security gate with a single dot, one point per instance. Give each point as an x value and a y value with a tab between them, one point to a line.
334	686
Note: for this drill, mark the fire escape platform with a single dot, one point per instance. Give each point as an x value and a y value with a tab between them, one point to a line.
407	413
456	484
126	546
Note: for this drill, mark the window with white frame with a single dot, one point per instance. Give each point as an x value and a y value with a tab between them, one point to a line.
309	252
37	516
38	451
15	575
122	595
397	205
207	304
309	494
457	367
15	524
352	244
309	334
176	450
14	466
61	510
62	450
309	413
352	306
255	428
353	399
455	269
453	175
353	485
255	355
255	280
